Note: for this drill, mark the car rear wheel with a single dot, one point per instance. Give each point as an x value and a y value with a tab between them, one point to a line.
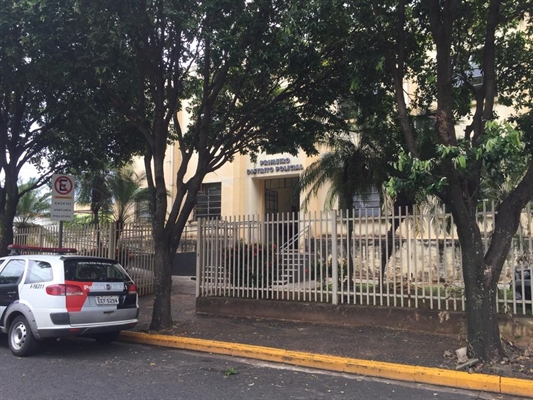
107	337
21	340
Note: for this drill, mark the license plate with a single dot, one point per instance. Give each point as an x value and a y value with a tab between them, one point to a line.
106	299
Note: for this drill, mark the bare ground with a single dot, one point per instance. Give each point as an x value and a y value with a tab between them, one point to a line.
370	343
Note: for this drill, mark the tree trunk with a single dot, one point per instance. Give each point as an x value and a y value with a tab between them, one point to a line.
480	279
166	238
481	296
161	313
6	225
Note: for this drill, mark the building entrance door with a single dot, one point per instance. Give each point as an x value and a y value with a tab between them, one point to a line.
282	204
271	202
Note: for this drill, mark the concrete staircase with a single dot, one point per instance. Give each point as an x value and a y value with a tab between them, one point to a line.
291	261
292	266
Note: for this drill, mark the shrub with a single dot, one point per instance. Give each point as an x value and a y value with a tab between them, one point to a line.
251	265
324	271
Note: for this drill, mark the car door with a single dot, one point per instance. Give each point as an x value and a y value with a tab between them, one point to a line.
34	291
103	296
10	277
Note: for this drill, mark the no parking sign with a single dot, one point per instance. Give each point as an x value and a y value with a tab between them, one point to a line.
62	197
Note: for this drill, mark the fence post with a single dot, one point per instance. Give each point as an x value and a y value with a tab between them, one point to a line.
112	240
41	237
334	261
199	253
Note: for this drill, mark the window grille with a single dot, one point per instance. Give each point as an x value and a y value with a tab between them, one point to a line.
209	201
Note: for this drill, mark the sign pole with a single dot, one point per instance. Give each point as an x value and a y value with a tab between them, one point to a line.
60	240
62	201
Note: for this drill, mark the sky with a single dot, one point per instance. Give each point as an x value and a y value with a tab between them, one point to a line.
27	171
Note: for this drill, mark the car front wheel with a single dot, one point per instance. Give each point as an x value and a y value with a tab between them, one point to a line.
21	340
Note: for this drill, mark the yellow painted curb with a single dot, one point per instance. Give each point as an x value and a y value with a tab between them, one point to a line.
410	373
396	371
464	380
362	367
518	387
330	363
436	376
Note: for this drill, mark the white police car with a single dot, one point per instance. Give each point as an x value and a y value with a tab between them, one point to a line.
49	296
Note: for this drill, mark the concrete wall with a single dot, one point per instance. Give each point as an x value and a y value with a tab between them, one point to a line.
516	329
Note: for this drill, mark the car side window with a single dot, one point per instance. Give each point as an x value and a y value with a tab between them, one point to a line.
12	271
39	271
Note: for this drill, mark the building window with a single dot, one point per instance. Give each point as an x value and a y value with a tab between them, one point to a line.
367	204
142	211
209	201
282	183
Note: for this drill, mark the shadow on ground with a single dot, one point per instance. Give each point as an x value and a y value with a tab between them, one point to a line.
369	343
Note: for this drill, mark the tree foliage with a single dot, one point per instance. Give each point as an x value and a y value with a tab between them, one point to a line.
34	204
114	194
48	116
457	60
255	75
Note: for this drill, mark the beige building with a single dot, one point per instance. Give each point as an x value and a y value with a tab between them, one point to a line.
248	188
244	187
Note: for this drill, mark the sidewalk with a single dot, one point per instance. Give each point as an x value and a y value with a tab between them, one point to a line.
368	350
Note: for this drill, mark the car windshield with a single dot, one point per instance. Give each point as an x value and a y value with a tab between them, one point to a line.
94	270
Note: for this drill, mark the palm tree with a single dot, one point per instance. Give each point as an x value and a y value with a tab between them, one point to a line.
352	167
114	194
128	196
94	191
357	164
32	205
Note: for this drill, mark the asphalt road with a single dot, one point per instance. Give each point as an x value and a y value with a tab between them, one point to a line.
81	369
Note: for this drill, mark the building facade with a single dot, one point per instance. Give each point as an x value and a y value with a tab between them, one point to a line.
245	187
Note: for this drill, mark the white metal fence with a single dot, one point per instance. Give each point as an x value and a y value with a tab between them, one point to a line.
338	258
131	245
